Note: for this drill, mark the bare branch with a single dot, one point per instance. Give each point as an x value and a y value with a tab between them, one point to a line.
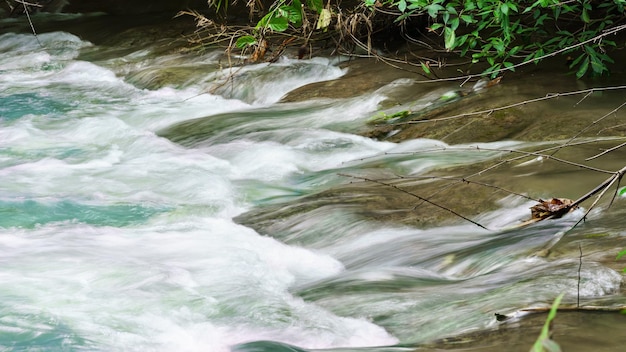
525	102
606	151
580	265
465	180
590	125
602	187
416	196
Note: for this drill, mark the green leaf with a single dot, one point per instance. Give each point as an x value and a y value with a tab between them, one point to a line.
529	57
556	12
499	45
433	10
585	16
460	41
402	5
293	15
622	192
245	41
318	5
264	20
509	65
297	5
425	68
504	8
415	5
583	68
449	38
493	70
435	26
540	19
467	19
278	24
454	23
597	66
542	344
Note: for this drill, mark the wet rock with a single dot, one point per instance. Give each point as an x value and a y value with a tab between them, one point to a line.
573	331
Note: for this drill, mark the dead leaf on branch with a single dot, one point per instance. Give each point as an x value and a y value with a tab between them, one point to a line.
551	208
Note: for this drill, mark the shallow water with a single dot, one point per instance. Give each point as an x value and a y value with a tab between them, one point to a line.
120	193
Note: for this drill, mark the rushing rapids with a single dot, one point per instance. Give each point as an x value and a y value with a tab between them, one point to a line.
140	214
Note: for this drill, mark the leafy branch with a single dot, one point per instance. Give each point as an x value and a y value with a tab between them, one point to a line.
509	34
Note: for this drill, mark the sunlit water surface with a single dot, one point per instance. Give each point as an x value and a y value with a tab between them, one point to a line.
114	238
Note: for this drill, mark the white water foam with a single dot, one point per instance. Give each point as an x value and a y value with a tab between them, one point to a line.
161	287
266	83
188	279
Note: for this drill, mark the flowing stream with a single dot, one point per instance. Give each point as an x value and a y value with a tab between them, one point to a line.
115	238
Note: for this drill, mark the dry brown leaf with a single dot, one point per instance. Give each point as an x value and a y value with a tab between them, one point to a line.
551	208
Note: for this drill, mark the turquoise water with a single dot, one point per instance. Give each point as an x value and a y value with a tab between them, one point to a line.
31	213
17	105
118	207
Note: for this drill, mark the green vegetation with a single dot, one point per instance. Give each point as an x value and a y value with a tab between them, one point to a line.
283	14
507	34
544	343
382	117
621	254
494	35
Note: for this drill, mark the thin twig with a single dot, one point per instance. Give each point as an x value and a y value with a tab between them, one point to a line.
606	151
580	265
416	196
500	163
465	180
32	27
525	102
590	125
546	156
604	185
576	308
